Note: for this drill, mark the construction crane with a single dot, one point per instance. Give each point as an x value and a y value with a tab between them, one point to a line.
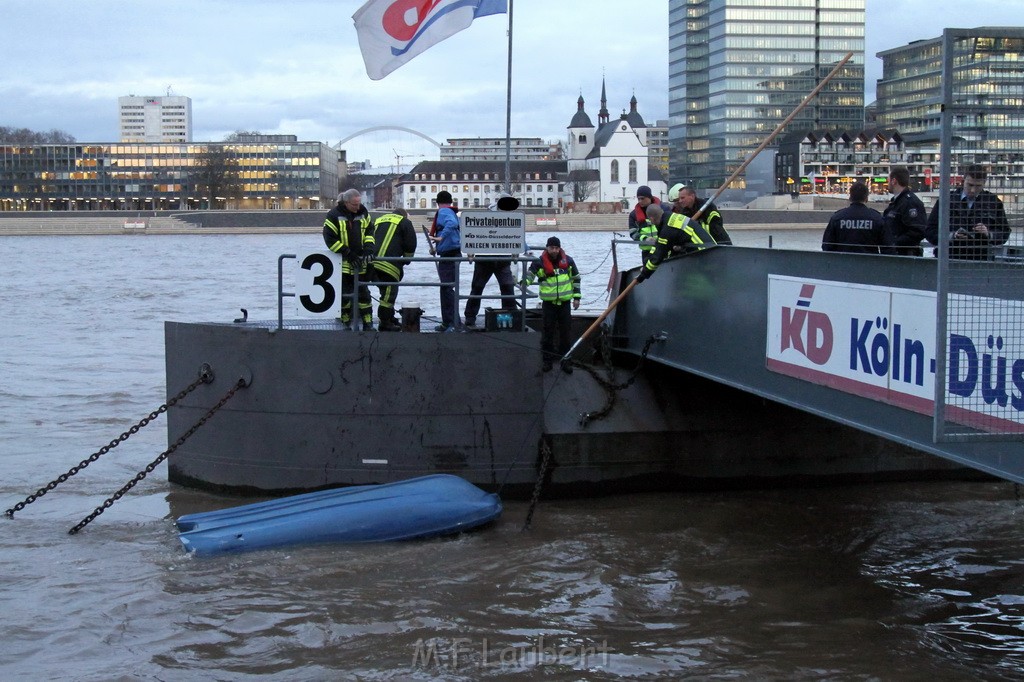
398	159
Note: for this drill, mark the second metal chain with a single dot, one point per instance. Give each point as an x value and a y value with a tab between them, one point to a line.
241	383
205	376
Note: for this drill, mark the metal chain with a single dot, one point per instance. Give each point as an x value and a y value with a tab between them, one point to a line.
241	383
205	376
612	388
545	462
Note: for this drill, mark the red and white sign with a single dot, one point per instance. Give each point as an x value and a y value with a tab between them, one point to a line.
880	343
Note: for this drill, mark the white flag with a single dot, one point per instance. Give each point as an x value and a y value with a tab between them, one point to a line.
391	32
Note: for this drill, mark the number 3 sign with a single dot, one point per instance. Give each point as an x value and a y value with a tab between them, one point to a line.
318	285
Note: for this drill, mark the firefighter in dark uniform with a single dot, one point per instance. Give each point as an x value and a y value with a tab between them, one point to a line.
905	219
679	235
348	232
977	219
687	203
395	237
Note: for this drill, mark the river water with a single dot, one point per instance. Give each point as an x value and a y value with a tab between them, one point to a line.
909	581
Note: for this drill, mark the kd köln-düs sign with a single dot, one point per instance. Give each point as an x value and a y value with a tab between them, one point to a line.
493	232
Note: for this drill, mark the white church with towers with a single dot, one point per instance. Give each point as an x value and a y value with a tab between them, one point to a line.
609	161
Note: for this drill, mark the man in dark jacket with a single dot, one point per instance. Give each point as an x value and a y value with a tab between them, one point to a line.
395	237
679	235
856	228
904	219
641	229
687	203
347	231
977	220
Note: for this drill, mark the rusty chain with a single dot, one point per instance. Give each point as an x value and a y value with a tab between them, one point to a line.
545	462
241	383
610	387
205	376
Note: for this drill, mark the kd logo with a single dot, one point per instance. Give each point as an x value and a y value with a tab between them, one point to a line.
403	18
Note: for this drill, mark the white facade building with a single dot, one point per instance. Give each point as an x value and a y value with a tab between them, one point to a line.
155	119
493	149
615	152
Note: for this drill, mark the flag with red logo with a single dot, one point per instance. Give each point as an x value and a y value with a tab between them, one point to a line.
391	32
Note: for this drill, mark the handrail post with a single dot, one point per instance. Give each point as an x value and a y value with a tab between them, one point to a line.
280	289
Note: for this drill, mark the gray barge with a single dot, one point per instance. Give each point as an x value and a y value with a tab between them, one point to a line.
678	391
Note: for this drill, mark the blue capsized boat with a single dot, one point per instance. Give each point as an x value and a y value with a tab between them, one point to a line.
422	507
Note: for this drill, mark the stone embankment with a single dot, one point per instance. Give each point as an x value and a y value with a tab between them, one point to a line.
299	222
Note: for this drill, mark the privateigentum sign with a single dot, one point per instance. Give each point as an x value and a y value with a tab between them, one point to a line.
493	232
880	343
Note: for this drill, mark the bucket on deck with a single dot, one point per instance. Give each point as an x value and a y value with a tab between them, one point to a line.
411	319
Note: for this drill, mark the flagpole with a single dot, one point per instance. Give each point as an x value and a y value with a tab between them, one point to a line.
508	109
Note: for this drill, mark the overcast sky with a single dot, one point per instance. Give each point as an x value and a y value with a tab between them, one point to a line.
294	67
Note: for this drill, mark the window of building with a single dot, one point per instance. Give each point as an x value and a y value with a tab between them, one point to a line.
632	171
529	201
615	171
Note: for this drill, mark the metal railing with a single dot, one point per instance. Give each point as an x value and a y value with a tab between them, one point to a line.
523	261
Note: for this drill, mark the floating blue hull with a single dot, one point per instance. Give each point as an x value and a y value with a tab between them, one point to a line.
416	508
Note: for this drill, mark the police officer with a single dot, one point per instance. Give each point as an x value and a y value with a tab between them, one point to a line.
855	229
904	220
679	235
977	219
347	231
394	236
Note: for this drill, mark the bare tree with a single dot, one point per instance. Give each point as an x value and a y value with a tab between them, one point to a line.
215	176
26	136
238	134
584	184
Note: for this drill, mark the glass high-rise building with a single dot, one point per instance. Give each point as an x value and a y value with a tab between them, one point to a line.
738	68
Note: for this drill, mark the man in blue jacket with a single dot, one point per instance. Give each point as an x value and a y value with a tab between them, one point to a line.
447	238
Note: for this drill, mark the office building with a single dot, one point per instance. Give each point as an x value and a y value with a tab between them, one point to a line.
257	172
155	119
987	101
493	149
738	68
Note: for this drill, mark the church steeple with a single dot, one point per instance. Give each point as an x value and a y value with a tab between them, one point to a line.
602	115
580	119
634	117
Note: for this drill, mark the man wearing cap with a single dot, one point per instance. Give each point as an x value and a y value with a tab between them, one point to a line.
348	232
680	235
641	229
559	283
685	201
447	238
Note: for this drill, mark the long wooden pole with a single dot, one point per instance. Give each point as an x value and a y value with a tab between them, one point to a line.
722	188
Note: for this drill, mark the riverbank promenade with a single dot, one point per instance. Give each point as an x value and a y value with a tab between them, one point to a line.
301	222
